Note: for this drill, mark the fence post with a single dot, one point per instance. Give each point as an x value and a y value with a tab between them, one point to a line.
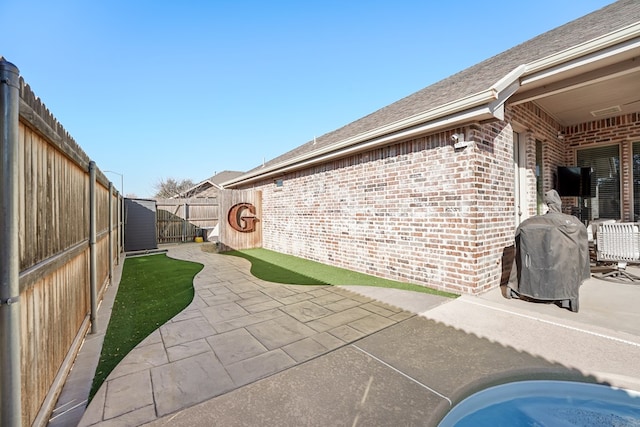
184	223
110	232
10	367
93	274
119	227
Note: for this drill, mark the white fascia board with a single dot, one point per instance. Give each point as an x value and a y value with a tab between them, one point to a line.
505	87
320	156
477	107
615	43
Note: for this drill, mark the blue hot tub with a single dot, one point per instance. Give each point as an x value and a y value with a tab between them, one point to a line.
547	403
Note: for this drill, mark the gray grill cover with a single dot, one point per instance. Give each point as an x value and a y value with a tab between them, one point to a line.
552	257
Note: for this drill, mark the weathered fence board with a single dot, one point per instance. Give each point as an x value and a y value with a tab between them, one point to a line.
181	220
53	203
53	252
250	237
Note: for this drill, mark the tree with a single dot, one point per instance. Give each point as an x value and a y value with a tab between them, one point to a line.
171	187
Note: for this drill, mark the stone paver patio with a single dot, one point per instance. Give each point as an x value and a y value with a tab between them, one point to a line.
238	329
248	352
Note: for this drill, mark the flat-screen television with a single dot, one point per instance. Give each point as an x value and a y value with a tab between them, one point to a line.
574	181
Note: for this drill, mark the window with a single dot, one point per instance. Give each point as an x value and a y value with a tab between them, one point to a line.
539	180
636	181
605	181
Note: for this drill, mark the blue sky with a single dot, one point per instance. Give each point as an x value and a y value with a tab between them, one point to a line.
154	89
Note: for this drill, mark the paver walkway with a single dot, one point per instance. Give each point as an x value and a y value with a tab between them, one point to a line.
244	353
237	330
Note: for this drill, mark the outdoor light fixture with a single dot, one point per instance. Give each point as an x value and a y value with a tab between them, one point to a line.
459	141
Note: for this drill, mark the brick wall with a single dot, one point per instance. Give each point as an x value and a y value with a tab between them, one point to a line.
622	131
542	128
418	211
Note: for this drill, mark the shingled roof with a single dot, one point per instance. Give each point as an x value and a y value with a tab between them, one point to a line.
224	176
473	80
204	187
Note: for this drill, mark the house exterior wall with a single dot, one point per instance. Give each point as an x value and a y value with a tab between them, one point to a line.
536	125
208	192
621	130
417	211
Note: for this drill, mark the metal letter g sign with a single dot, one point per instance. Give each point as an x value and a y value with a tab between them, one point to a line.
239	220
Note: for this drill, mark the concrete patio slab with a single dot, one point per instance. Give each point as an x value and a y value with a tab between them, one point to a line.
340	318
118	397
192	348
250	319
610	356
385	357
306	311
235	345
183	331
199	377
308	348
237	330
370	382
280	331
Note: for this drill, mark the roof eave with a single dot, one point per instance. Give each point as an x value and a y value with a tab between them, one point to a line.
614	43
189	190
479	113
477	107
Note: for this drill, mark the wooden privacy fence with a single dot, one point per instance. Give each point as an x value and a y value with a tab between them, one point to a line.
241	226
181	220
65	218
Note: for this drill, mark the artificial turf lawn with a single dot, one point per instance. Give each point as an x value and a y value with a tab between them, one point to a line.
280	268
152	290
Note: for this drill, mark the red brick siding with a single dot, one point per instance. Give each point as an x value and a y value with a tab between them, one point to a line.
418	211
541	127
622	130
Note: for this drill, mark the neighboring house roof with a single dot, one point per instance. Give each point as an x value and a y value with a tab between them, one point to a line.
224	176
209	186
478	92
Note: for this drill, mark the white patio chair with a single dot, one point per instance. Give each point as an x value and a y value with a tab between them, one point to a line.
618	243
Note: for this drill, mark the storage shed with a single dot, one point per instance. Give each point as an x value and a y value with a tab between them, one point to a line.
140	225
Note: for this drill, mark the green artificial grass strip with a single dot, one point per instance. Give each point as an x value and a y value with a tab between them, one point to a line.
280	268
269	266
152	290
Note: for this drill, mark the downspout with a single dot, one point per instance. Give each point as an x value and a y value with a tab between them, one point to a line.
10	368
92	245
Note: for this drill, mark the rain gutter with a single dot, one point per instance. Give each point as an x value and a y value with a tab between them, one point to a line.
618	42
480	106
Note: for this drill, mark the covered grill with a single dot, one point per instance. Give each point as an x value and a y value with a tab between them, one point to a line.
552	257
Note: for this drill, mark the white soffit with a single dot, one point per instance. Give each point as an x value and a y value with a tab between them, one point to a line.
619	50
609	50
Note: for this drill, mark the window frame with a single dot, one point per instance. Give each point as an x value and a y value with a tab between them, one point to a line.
620	194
